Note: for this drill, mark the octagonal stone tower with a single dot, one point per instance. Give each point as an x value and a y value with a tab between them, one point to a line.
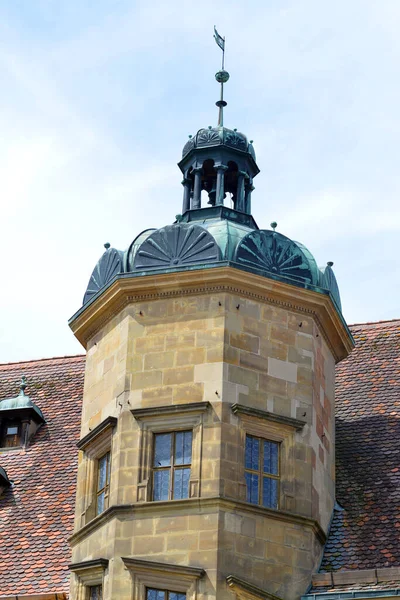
207	451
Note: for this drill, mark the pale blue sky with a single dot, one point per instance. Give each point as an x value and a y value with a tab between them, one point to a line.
97	100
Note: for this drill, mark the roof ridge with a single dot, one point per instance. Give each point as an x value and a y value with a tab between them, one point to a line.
37	360
375	322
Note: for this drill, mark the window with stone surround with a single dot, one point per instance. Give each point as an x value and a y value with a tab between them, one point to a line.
262	471
170	443
266	474
89	578
163	581
154	594
95	470
172	460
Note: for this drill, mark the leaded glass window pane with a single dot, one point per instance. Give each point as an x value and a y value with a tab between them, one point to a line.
153	594
102	472
95	592
252	488
183	448
270	492
100	503
181	483
103	482
271	457
162	450
252	453
161	484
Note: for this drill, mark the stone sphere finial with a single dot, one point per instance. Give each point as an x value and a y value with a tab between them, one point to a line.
222	76
274	225
107	245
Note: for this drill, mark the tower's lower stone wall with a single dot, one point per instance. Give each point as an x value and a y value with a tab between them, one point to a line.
248	360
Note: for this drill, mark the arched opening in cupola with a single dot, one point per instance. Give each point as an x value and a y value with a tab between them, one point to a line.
231	181
209	182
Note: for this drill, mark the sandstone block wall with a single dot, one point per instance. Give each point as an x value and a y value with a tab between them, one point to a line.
223	349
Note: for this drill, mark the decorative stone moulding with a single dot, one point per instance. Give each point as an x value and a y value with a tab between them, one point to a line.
224	277
148	573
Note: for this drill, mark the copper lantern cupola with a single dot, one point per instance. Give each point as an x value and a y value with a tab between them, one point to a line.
220	161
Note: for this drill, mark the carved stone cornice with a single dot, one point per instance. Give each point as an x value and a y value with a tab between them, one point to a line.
171	409
248	591
147	509
96	563
137	565
108	423
268	416
128	289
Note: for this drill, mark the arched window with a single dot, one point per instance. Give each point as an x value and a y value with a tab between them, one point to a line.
209	181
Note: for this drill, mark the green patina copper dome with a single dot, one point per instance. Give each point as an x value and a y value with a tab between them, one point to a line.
213	236
21	403
219	136
218	166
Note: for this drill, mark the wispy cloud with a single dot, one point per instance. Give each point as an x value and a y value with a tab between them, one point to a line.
99	104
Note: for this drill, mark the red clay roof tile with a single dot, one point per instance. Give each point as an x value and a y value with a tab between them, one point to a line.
36	514
365	535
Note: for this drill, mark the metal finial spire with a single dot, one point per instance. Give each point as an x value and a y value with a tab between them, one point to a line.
222	77
22	386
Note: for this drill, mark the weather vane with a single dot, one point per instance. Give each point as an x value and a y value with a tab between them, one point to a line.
221	76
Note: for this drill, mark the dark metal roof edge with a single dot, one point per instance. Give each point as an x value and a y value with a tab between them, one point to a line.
31	409
204	149
359	594
223	213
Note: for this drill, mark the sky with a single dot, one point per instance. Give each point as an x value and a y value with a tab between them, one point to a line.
99	97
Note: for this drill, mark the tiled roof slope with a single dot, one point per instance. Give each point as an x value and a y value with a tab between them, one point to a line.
36	514
366	534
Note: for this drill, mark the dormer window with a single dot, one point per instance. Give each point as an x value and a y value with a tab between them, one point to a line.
19	419
12	435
